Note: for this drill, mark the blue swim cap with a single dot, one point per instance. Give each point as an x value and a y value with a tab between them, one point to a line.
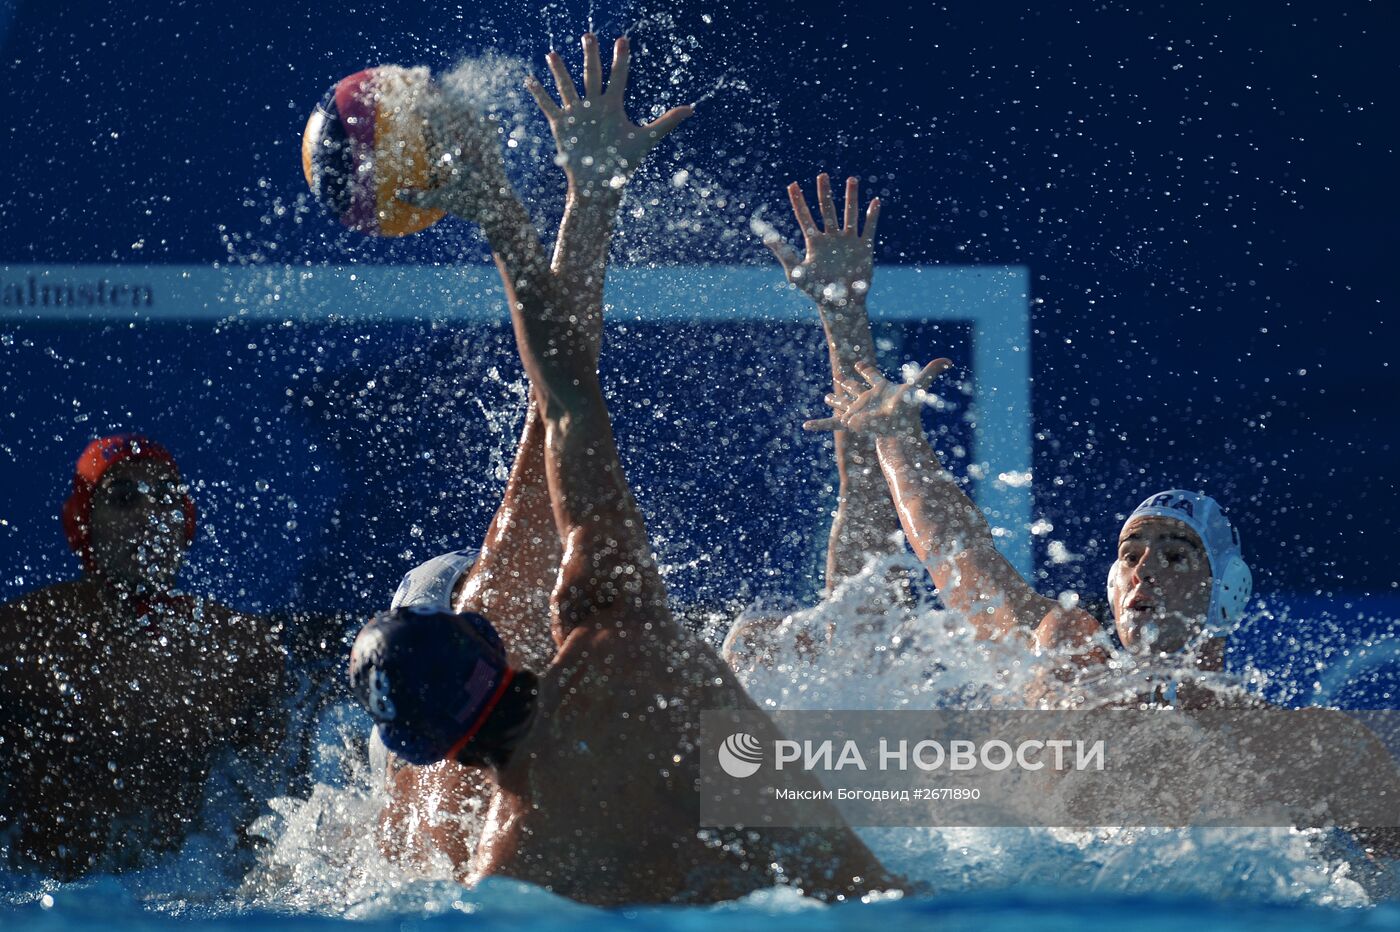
429	679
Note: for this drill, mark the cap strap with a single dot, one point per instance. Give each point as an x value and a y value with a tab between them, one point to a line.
486	711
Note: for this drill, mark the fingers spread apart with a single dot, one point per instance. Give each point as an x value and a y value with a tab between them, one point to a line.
669	120
592	66
568	92
872	218
787	257
546	104
852	206
827	204
801	211
617	75
848	223
837	403
593	86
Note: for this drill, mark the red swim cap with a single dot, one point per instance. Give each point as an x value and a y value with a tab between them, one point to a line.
99	456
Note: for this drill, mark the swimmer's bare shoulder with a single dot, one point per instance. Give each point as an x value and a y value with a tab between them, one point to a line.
591	805
56	603
40	624
432	812
29	626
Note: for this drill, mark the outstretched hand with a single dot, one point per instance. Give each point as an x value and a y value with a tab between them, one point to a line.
880	407
599	146
840	258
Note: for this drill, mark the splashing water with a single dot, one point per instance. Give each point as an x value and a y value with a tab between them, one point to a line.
321	856
920	657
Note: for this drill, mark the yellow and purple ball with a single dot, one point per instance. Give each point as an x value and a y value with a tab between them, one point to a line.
365	142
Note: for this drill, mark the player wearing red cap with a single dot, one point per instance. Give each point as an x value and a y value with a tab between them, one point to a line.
118	693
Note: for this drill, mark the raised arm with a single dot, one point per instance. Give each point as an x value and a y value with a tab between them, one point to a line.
947	531
607	557
515	573
581	127
835	273
558	325
599	148
516	570
468	180
559	328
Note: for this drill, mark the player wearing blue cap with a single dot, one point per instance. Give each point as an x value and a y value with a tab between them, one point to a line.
593	760
1178	583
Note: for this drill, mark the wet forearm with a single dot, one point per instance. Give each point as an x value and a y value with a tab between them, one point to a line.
865	521
938	517
954	540
558	346
558	354
585	237
520	553
581	252
515	245
848	339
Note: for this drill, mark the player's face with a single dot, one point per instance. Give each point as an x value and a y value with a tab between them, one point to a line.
138	523
1162	590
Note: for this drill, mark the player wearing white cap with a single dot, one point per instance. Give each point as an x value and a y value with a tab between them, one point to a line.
1178	583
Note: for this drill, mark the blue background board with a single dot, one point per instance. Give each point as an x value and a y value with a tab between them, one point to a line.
1204	195
327	458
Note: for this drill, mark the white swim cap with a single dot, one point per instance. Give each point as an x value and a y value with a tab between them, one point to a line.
1231	581
429	585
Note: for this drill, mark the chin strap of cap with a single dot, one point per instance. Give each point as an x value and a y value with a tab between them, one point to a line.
485	714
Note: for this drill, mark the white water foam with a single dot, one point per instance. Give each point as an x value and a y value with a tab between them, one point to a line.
324	857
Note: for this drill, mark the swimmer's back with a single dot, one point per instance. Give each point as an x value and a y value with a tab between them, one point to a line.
612	766
600	769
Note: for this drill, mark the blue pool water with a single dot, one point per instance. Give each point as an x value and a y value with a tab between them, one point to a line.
506	906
